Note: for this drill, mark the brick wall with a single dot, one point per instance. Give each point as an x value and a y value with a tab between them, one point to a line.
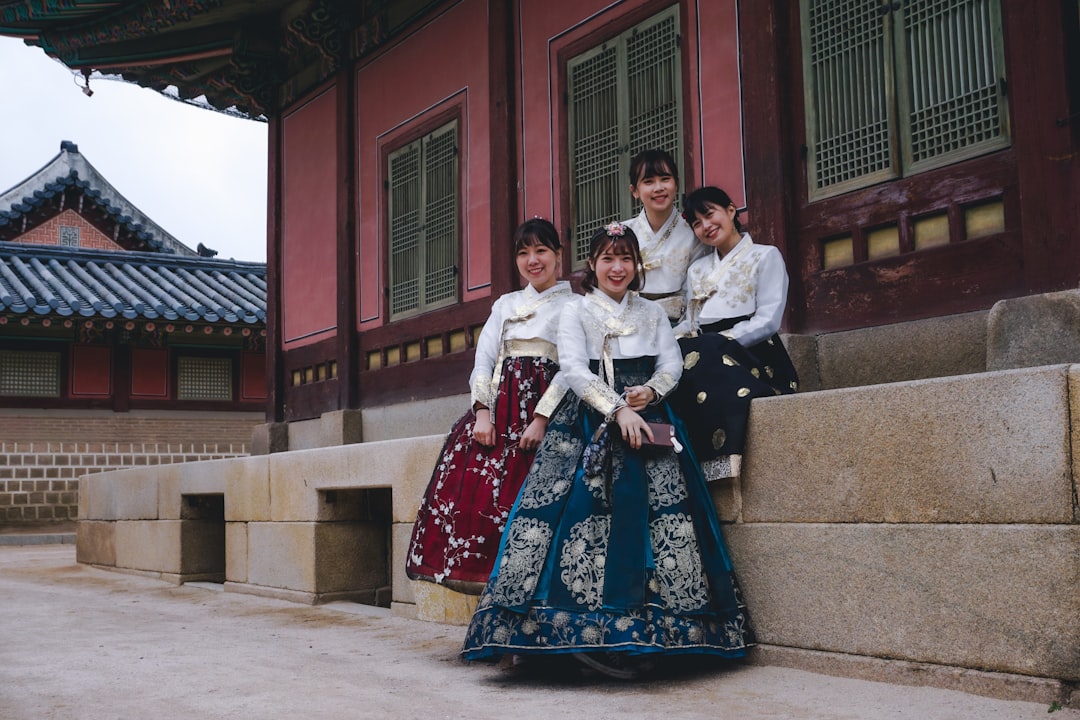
43	455
48	233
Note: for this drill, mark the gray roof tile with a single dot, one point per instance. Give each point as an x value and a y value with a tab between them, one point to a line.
52	280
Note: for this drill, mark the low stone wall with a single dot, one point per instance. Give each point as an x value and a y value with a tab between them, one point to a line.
43	455
929	525
933	522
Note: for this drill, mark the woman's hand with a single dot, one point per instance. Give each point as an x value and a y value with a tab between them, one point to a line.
639	396
632	426
483	431
534	433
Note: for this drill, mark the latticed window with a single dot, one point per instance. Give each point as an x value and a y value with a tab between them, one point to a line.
29	374
204	378
623	97
423	207
897	87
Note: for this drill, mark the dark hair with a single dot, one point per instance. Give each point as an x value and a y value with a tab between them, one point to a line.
536	231
652	162
699	200
625	242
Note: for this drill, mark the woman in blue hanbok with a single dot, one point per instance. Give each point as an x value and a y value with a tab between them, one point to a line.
620	561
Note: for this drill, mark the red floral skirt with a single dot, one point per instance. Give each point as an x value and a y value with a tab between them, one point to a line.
463	512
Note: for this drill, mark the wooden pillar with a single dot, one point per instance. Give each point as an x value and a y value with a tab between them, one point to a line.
348	267
275	367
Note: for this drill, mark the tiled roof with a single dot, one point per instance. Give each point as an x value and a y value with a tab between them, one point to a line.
50	280
70	170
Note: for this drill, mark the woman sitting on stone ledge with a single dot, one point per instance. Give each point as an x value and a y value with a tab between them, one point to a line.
732	352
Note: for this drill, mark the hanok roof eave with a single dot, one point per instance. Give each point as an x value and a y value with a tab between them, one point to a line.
70	162
73	282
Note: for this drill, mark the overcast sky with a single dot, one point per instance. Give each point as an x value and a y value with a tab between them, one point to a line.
199	174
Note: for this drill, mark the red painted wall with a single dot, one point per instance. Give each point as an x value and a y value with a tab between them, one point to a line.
711	102
149	373
388	114
91	371
252	376
309	221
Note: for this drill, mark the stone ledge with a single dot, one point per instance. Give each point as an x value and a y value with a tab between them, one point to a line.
1001	598
1004	686
404	465
985	448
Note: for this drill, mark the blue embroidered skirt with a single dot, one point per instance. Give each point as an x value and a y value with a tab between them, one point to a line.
633	563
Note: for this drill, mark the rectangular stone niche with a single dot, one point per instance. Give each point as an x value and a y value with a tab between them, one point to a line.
352	546
202	538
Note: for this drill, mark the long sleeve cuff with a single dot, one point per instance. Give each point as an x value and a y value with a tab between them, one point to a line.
662	384
601	397
481	392
550	399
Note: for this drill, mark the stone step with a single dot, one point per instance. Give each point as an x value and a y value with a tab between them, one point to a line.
37	539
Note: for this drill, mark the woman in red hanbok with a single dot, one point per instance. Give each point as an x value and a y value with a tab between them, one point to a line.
515	387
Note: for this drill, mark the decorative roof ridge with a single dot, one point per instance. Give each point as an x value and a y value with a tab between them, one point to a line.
70	163
131	257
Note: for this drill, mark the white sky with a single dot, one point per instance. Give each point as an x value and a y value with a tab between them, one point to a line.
199	174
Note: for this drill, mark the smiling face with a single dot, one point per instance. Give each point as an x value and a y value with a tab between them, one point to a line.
715	227
656	192
615	267
538	264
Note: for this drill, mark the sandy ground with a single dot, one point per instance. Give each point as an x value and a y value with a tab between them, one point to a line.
81	643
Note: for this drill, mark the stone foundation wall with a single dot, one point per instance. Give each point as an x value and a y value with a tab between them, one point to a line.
928	526
42	456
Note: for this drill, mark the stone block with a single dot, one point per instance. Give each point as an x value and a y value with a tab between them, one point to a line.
726	495
340	427
294	480
236	552
1074	424
282	555
436	603
1035	330
804	356
403	610
936	347
151	545
269	438
993	597
247	489
296	477
987	448
351	557
416	462
169	489
95	542
411	419
400	535
129	494
1005	686
84	498
293	596
207	477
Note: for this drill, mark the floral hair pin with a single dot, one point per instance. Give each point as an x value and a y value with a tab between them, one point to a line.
615	229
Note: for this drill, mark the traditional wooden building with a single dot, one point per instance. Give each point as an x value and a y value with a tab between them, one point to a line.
912	160
119	345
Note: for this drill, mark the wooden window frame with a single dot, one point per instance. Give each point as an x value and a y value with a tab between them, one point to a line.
897	88
577	52
178	353
61	379
429	126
